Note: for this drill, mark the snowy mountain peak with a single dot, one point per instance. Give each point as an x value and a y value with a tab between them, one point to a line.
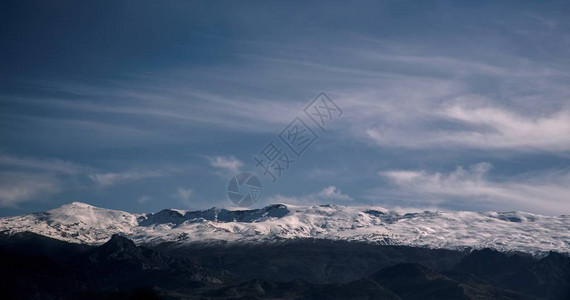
82	223
74	222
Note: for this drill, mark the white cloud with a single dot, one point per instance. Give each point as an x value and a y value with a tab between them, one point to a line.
184	196
393	95
480	127
109	179
143	199
25	179
484	127
182	104
328	195
16	188
228	163
544	192
48	165
333	193
495	128
61	130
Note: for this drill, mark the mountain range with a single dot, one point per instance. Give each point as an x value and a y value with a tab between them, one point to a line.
283	252
503	231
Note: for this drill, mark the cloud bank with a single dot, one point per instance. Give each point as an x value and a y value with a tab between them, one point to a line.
543	192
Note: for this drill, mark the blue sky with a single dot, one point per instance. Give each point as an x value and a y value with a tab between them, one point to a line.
143	105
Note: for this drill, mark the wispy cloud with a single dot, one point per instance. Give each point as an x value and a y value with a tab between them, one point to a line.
484	127
82	127
544	192
494	128
109	179
25	179
166	98
48	165
226	163
548	22
327	195
16	188
496	90
143	199
325	174
388	92
184	196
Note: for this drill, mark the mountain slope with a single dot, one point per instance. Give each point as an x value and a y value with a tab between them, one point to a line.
511	231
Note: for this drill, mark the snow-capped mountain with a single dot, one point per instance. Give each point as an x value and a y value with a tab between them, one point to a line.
511	231
75	222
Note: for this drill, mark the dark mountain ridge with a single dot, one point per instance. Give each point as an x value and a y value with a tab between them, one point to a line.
36	267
